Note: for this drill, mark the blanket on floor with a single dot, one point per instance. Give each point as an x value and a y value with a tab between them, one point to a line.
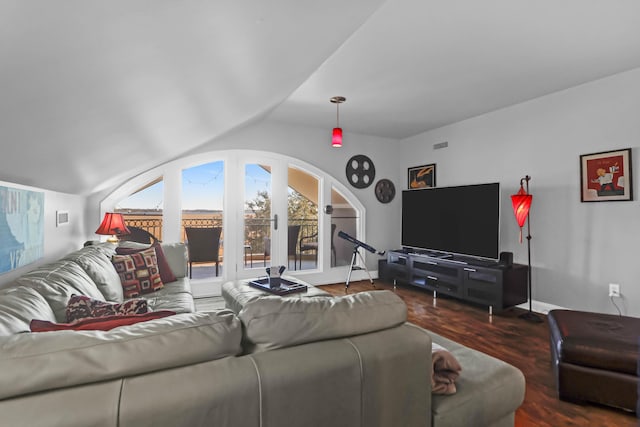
445	371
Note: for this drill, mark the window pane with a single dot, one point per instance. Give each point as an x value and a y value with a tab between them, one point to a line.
257	213
344	218
202	207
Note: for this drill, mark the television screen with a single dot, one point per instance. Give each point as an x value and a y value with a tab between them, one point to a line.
461	220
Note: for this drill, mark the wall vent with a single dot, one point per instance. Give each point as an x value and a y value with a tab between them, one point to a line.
440	145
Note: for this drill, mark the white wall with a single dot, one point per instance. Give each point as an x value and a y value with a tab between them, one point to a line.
58	241
577	248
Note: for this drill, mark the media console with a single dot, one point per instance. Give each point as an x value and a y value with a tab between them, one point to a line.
481	282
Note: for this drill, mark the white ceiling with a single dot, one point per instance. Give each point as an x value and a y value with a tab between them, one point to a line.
95	90
416	65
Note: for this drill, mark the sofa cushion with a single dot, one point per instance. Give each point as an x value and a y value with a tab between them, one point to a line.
138	272
57	281
82	307
20	304
104	323
179	302
273	322
176	254
489	389
96	261
166	274
67	358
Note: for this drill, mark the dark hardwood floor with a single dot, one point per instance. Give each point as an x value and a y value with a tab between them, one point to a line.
509	338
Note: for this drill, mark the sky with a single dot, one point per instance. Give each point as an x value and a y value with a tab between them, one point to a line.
202	188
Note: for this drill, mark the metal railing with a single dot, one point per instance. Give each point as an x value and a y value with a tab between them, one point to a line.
256	229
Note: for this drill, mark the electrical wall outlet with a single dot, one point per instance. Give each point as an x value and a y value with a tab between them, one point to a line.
614	290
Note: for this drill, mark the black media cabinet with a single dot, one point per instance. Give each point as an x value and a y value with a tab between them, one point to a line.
485	283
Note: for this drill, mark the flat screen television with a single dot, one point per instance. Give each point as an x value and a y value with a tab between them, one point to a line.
461	220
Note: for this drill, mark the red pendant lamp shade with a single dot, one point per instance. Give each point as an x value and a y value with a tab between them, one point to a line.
112	225
336	140
336	137
521	204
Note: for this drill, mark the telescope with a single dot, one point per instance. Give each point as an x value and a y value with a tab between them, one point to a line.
358	243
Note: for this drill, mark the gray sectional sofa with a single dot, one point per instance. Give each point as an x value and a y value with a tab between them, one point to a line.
357	362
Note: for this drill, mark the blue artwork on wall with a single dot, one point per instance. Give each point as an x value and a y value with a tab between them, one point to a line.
21	227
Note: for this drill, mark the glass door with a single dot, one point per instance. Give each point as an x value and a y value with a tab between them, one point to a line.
259	220
304	249
263	217
201	222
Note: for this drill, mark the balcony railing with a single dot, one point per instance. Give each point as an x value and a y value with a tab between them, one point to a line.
256	229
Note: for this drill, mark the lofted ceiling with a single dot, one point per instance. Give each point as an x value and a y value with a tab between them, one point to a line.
93	91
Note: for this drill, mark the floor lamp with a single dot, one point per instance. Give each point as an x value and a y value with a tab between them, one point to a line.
521	204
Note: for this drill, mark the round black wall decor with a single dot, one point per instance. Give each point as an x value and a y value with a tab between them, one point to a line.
360	171
385	191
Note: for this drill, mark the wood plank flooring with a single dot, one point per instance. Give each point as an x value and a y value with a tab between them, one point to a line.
509	338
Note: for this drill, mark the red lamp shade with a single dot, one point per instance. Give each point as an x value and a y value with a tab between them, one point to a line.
336	140
521	205
113	225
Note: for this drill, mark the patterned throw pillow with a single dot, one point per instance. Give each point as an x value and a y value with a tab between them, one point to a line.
138	273
82	307
98	324
166	274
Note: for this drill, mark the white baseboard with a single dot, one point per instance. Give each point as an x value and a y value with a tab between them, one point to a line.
540	307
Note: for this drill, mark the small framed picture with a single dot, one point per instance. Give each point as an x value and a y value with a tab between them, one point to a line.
62	218
606	176
422	177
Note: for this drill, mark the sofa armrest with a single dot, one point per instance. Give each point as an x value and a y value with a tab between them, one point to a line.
68	358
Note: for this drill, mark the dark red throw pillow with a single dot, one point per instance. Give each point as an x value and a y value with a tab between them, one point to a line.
98	323
166	274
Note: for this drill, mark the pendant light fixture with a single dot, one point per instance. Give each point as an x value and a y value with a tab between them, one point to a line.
336	139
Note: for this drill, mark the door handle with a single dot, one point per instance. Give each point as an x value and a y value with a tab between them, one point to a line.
275	221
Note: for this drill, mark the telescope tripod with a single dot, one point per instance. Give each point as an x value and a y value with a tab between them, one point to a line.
355	267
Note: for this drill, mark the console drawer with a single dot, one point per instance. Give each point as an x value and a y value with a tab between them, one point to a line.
436	271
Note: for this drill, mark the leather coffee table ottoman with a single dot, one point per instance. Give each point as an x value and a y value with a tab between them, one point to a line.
595	357
238	293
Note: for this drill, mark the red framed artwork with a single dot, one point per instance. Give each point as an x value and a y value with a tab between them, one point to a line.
606	176
422	177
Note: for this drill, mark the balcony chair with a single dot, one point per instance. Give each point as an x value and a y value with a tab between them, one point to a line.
313	246
333	247
293	232
203	245
310	243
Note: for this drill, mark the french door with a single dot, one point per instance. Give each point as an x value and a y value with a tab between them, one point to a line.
262	216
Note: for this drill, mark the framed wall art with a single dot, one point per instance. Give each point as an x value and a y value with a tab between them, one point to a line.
606	176
422	177
21	227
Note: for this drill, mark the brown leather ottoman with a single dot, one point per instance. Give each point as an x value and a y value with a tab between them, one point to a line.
595	357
